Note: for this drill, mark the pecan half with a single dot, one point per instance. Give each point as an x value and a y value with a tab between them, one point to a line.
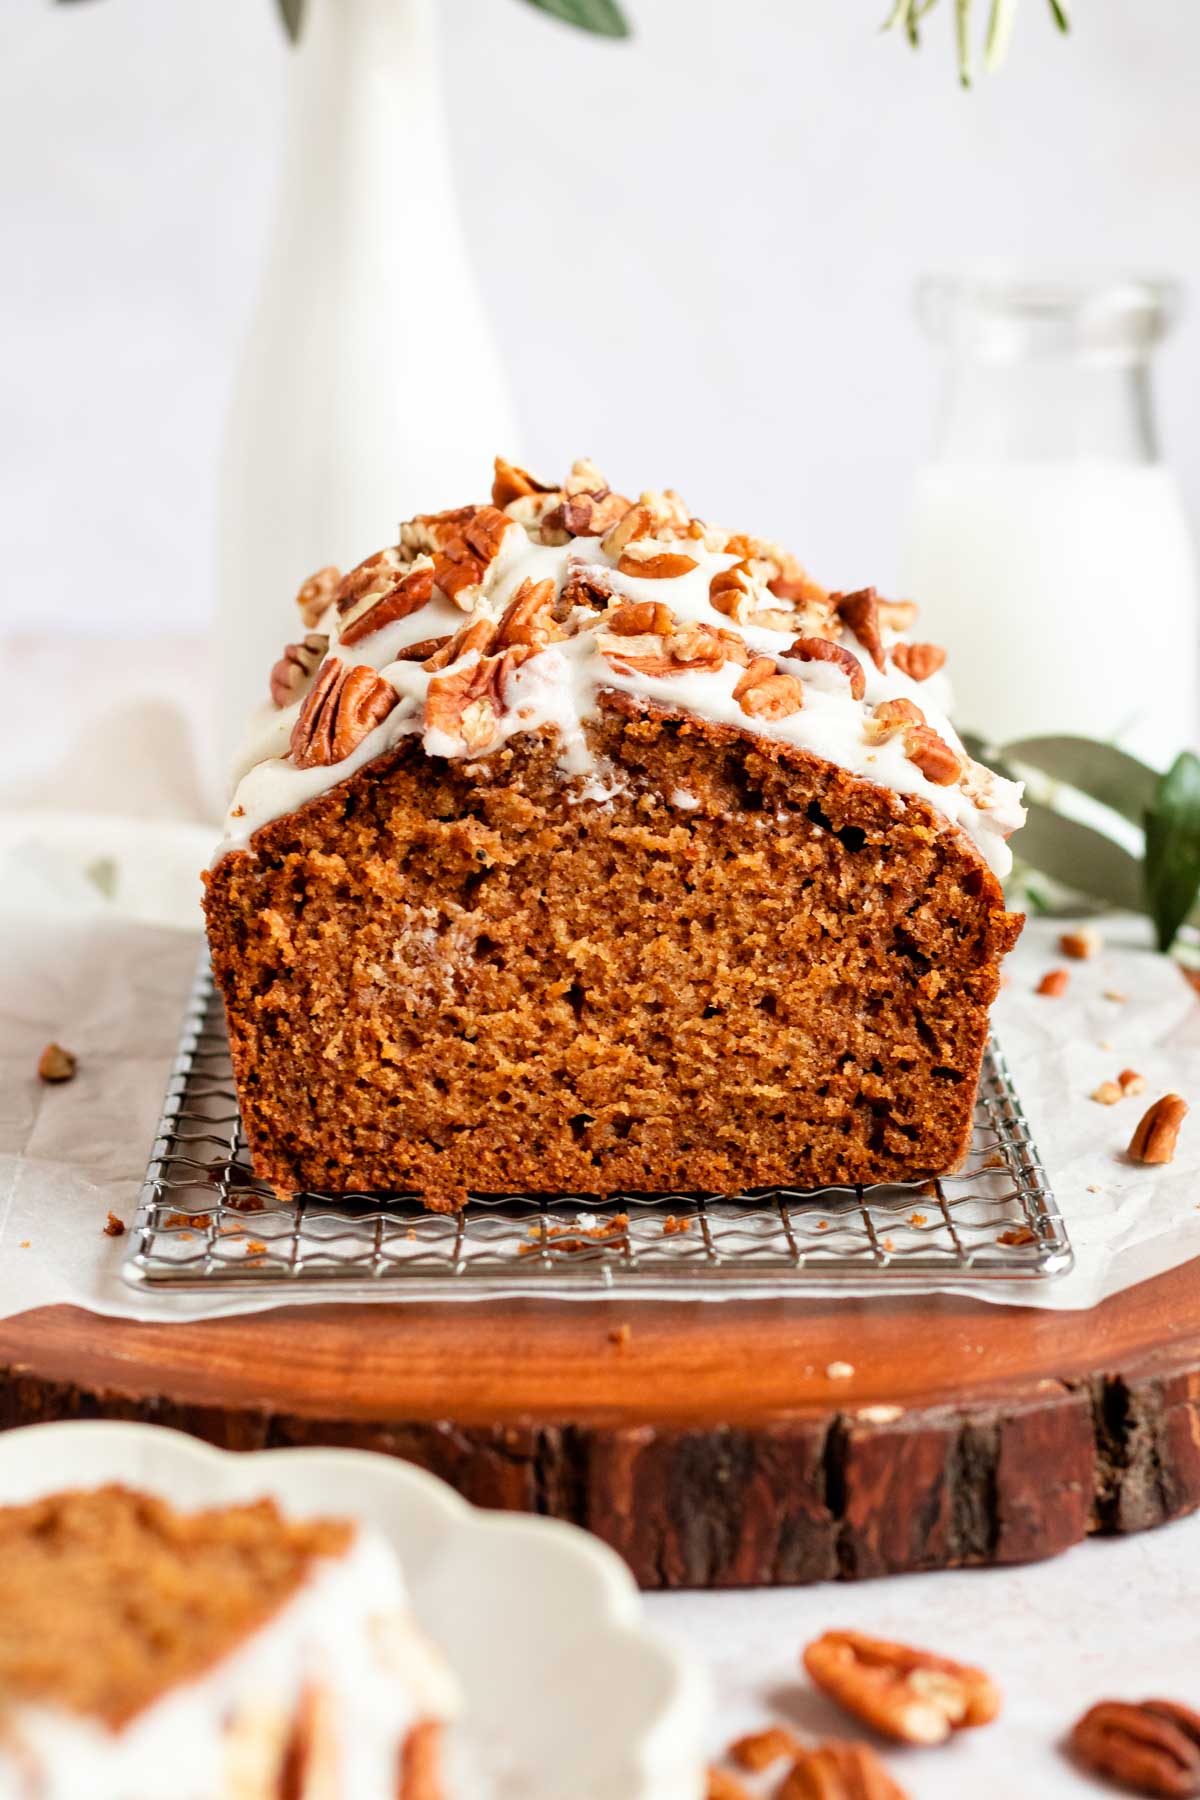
891	716
932	755
907	1694
1153	1748
860	612
838	1771
763	693
815	649
477	634
462	561
341	709
422	652
1158	1131
316	593
295	669
693	647
510	483
634	618
663	565
467	704
918	661
529	617
408	595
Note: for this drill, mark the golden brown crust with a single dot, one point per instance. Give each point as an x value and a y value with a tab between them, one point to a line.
451	973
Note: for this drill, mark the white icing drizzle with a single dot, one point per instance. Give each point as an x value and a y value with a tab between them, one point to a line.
560	686
347	1629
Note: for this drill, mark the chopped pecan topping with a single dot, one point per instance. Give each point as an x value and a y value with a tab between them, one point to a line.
478	634
692	647
587	584
932	755
654	516
661	565
1158	1130
764	693
860	613
422	652
918	661
907	1694
891	716
794	585
729	589
1108	1093
586	514
1081	945
585	478
295	669
815	649
837	1771
634	618
314	597
343	707
529	617
408	595
1053	983
460	564
898	615
376	575
1153	1748
56	1064
467	704
510	483
1131	1082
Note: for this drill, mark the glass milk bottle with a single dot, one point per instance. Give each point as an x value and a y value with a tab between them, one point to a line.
1047	544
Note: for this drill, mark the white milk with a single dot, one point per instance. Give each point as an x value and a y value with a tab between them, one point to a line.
1066	593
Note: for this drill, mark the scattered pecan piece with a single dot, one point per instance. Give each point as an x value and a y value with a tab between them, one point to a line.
476	634
1081	945
918	661
1131	1082
463	559
422	652
1158	1131
1152	1748
719	1784
510	483
529	617
730	588
413	591
1107	1094
316	593
663	565
466	704
114	1227
56	1064
1016	1236
891	716
817	649
341	709
905	1693
763	693
839	1771
794	585
693	647
590	586
295	669
759	1749
932	755
1053	983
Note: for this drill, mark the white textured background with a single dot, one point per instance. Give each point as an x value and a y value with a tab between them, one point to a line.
697	249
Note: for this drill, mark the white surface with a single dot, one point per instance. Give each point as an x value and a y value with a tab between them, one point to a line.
697	250
566	1694
1113	1619
1064	544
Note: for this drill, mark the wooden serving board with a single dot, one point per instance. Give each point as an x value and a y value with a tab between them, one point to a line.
716	1445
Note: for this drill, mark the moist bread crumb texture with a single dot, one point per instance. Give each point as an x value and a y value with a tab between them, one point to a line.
111	1598
741	966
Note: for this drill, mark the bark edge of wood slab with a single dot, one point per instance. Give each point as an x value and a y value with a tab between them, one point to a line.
717	1445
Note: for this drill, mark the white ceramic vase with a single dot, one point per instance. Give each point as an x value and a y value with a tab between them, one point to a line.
369	387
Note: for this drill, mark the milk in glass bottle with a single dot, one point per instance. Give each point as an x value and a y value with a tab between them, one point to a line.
1047	542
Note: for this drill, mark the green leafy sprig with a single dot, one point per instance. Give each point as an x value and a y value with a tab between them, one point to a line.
1089	859
906	16
603	17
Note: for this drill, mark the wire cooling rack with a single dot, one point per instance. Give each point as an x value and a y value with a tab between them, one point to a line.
204	1222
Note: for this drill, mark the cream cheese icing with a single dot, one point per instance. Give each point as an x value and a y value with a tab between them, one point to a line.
346	1632
559	684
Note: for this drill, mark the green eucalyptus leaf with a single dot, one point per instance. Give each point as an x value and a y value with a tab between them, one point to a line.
1080	857
293	17
604	17
1109	775
1062	17
1173	848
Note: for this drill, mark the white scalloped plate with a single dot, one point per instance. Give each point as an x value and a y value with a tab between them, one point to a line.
568	1696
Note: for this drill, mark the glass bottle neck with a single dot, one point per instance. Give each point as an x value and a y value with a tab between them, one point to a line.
1046	409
